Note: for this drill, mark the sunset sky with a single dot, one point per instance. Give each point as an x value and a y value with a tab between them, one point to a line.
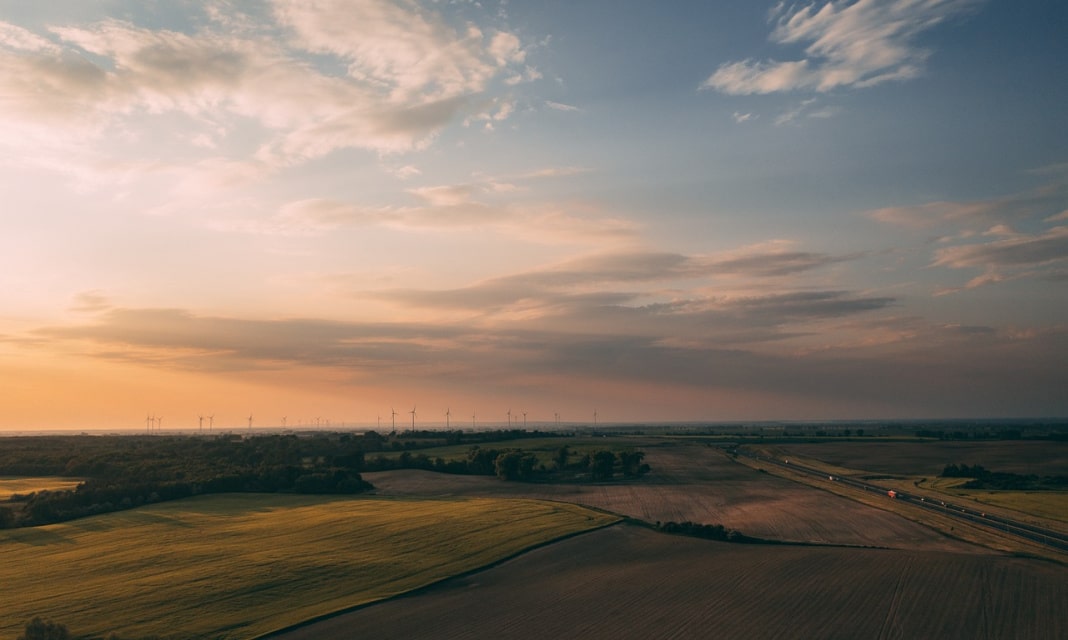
702	210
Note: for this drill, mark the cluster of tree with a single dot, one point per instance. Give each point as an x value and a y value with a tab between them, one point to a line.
707	532
983	478
125	472
974	434
521	465
39	629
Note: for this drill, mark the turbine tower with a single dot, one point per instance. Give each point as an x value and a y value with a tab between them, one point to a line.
472	422
413	418
448	412
595	417
211	422
524	419
250	422
394	412
509	413
284	421
200	422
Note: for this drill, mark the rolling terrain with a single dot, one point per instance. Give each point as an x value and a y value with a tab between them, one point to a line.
240	565
630	582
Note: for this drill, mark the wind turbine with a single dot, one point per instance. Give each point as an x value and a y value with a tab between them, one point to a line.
595	417
413	418
148	423
200	420
394	423
211	422
509	418
250	422
448	412
284	421
524	419
159	423
472	422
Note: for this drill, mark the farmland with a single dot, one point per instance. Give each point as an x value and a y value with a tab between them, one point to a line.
236	566
701	484
856	566
670	587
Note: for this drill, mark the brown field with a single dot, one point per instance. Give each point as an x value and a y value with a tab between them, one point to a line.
629	582
701	484
929	458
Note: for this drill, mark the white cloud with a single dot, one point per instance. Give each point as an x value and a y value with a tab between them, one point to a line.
407	51
742	117
851	44
407	74
559	106
15	37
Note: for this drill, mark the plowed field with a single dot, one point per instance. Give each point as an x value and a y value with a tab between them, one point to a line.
701	484
625	582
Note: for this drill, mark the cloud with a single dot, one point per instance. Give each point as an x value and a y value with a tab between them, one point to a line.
400	47
847	44
742	117
380	76
932	368
1041	203
1018	250
559	106
639	279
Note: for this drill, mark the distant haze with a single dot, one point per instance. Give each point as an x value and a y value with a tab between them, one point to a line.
325	212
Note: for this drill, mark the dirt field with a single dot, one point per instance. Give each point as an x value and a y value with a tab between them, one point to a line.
929	458
700	484
627	582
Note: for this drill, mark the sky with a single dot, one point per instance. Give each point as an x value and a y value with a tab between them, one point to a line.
318	211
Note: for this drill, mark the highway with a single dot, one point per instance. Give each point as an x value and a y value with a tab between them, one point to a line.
1041	535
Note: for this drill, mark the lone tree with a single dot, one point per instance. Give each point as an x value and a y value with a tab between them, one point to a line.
38	629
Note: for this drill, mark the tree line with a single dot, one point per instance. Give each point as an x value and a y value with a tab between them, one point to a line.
123	472
983	478
522	465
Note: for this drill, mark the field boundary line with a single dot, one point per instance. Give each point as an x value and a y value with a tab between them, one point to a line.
418	590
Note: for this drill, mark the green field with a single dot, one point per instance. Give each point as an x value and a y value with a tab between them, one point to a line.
241	565
10	486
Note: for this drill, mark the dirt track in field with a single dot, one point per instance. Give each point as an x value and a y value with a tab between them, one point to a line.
700	484
628	582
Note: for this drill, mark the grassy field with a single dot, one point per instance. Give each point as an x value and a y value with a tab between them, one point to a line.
1046	504
10	486
241	565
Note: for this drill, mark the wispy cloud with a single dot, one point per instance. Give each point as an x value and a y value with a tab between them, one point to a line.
406	73
559	106
847	44
1045	202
